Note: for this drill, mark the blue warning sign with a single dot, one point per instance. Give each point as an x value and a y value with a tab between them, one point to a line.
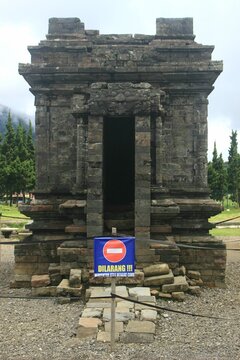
114	256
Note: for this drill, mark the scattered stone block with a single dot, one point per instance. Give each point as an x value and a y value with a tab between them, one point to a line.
182	270
64	289
92	313
149	315
125	305
157	269
75	278
179	284
139	291
159	279
88	327
166	296
178	295
120	290
193	274
137	338
118	326
40	280
99	304
122	315
44	291
99	294
155	293
149	299
105	336
146	306
199	282
62	300
194	290
136	326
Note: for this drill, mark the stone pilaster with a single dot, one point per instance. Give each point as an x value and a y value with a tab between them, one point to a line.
94	176
142	177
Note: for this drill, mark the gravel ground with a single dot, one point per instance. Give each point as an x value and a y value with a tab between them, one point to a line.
43	329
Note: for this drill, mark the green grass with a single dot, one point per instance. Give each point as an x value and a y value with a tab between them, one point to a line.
11	211
225	232
226	214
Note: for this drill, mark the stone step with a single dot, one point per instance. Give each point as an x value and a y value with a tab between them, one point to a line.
132	323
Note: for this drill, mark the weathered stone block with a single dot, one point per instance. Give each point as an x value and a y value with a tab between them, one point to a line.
194	290
105	336
180	284
157	269
159	280
193	274
75	278
121	315
88	327
139	291
118	326
64	289
44	291
136	326
92	313
178	295
149	315
40	280
137	338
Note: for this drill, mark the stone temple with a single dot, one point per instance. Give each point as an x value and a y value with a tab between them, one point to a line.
121	141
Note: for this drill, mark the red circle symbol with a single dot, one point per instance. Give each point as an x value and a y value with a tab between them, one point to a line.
114	250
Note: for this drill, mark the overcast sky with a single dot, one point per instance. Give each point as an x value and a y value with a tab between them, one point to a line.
216	22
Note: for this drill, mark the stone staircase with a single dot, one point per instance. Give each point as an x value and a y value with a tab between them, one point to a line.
133	322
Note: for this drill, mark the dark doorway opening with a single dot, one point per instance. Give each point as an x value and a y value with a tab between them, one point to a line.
118	172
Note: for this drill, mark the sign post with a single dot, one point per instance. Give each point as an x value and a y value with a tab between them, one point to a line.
113	308
114	257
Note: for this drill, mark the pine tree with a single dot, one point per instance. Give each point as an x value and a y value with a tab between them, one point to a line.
8	153
9	141
234	168
17	165
21	143
217	176
30	144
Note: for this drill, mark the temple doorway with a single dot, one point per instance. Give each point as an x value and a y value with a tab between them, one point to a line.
119	172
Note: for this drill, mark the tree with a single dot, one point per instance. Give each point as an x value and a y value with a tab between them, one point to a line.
9	141
17	164
8	157
30	144
21	143
217	176
234	168
26	165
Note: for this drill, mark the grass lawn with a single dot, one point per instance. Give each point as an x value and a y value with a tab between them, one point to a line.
226	214
11	211
225	232
232	212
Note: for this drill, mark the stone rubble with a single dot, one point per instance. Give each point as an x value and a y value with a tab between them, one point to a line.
48	330
132	321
